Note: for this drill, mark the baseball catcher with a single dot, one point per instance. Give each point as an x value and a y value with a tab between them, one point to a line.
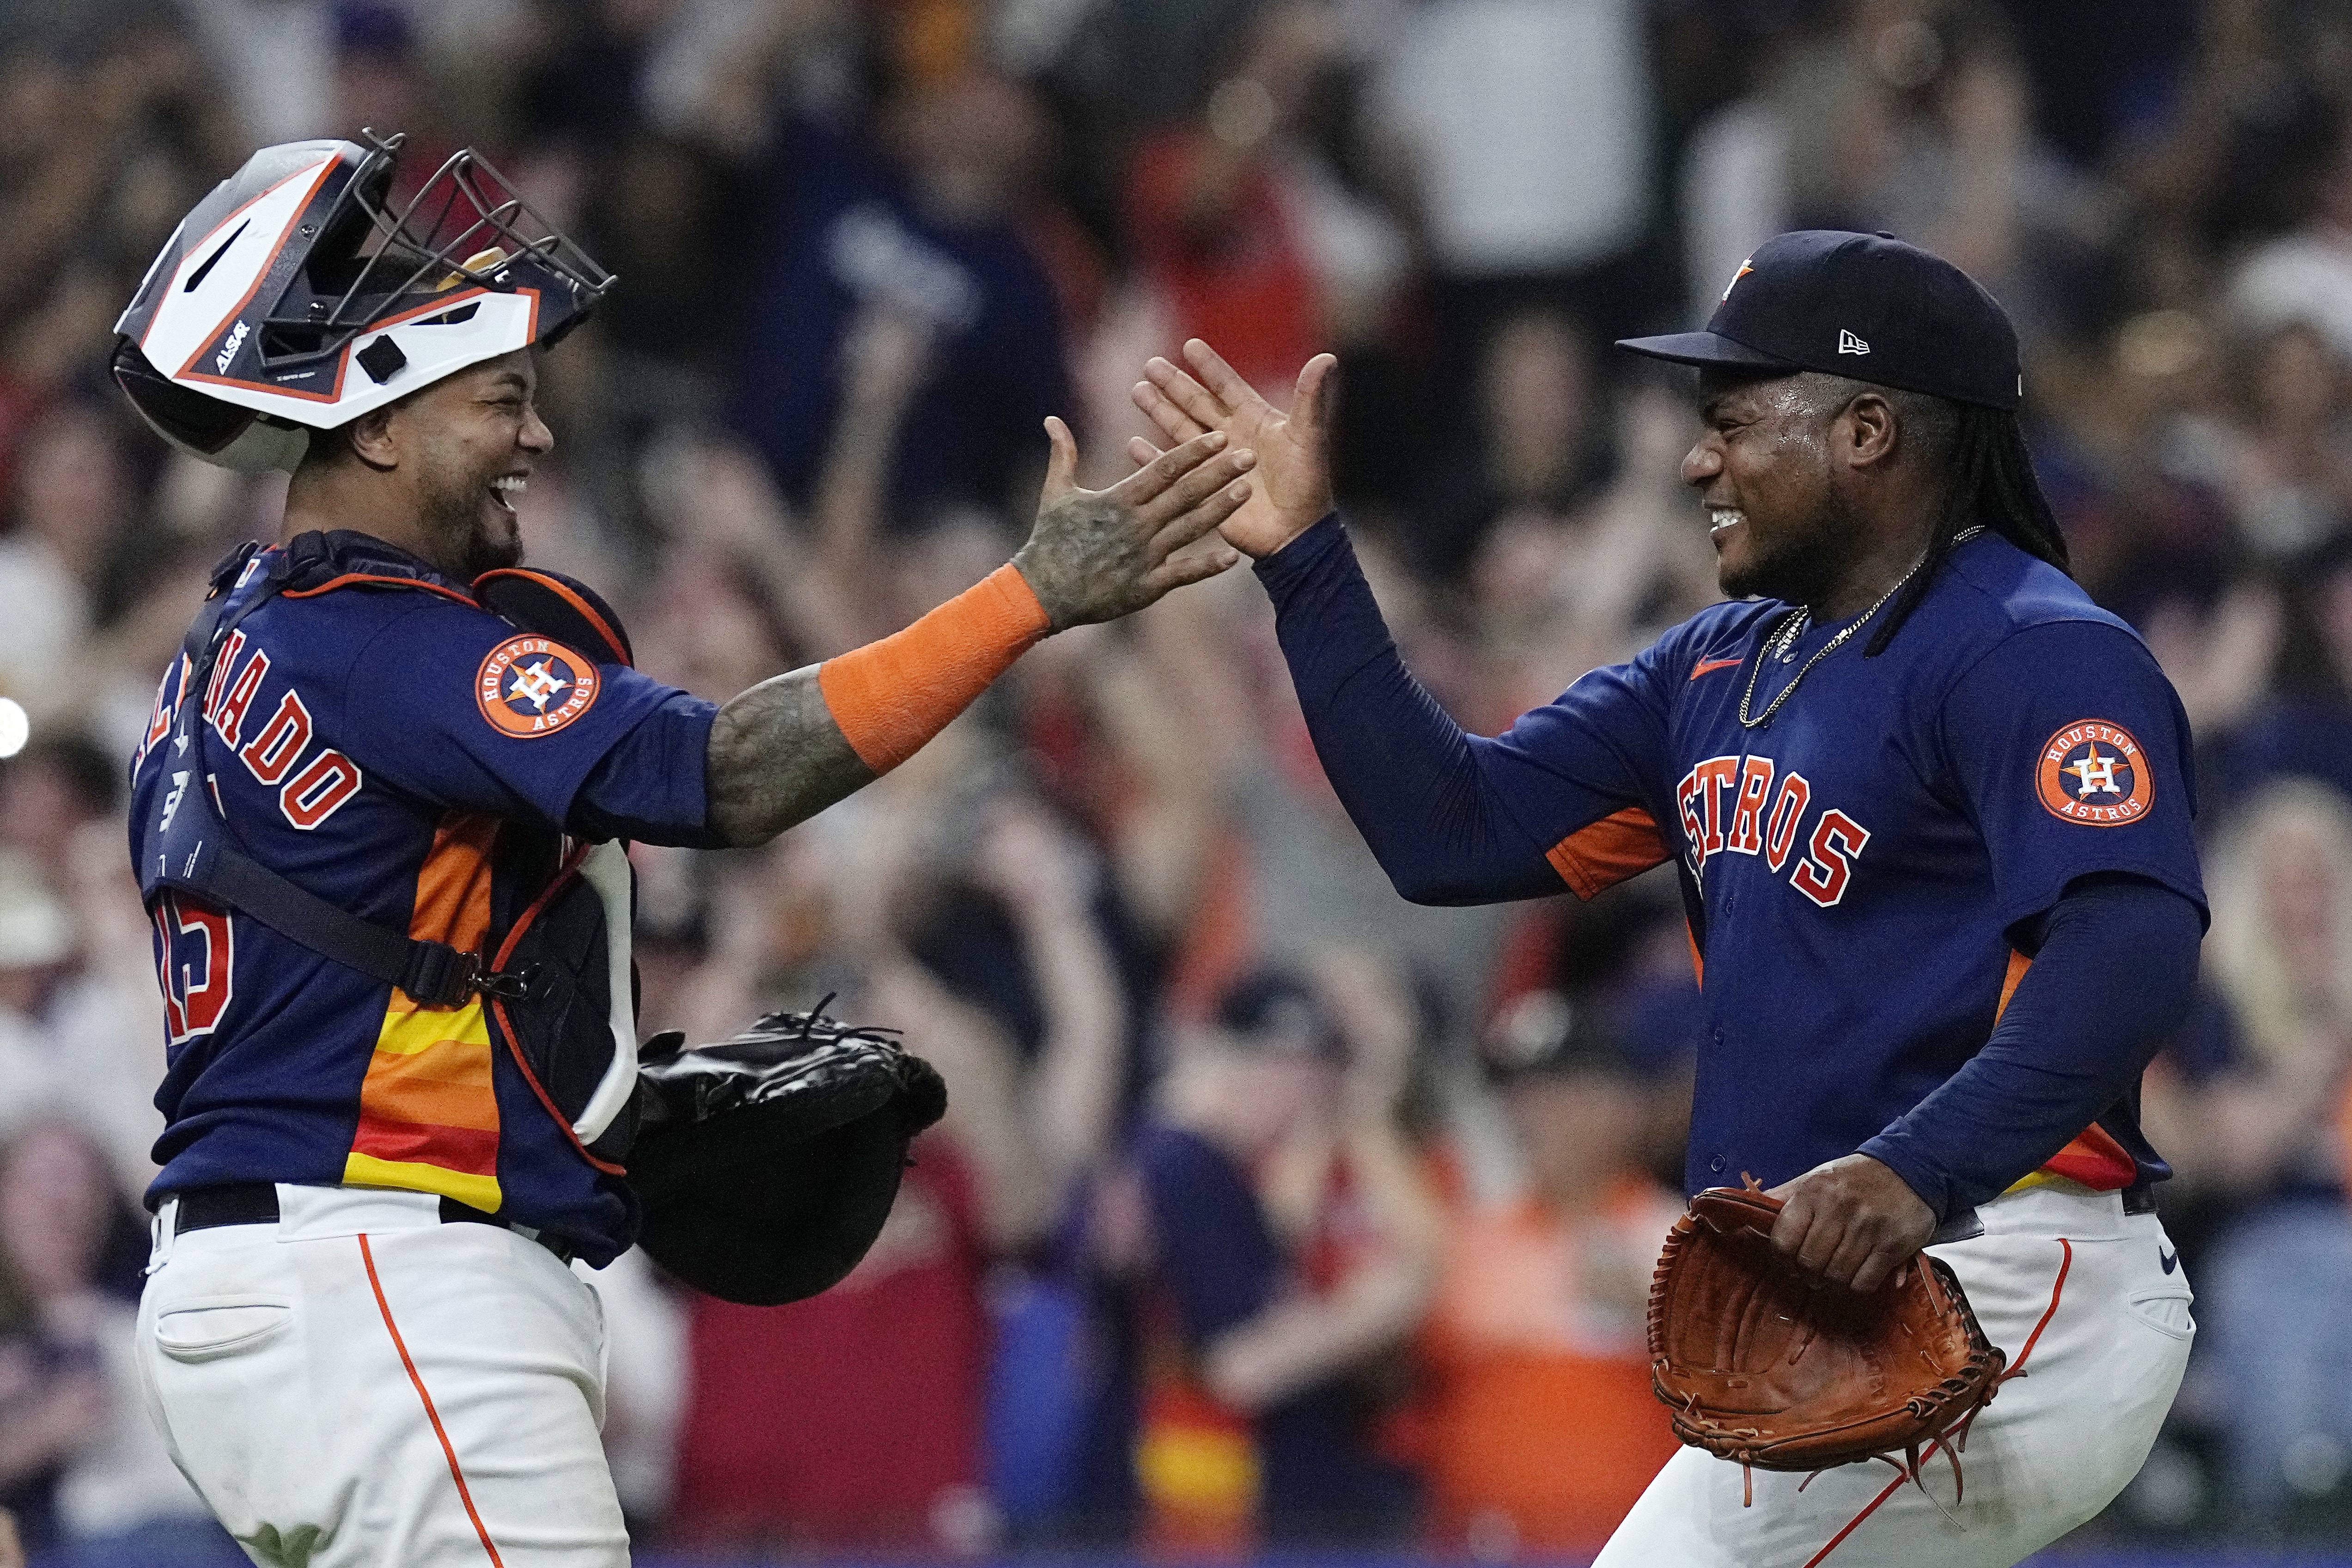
1929	810
380	818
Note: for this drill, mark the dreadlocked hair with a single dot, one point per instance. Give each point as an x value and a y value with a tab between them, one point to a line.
1991	484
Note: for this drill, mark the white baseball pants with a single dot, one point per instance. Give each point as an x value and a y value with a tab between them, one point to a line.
2087	1300
361	1384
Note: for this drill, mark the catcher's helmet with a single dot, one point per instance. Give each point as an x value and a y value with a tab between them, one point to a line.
293	299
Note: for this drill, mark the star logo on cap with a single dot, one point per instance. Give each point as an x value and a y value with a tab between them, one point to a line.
1923	323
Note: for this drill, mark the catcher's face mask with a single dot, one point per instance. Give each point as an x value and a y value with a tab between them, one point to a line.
294	299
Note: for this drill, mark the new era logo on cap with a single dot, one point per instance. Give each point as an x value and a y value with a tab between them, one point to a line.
1793	306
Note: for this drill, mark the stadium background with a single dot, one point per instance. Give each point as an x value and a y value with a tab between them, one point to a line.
1273	1214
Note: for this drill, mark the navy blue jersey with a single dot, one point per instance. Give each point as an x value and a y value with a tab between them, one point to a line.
388	744
1855	870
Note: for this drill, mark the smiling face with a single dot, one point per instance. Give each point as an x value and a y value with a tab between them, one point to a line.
468	443
1763	469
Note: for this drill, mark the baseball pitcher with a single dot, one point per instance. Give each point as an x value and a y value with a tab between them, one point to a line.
1929	809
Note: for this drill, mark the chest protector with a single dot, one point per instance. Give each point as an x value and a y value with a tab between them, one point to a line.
554	978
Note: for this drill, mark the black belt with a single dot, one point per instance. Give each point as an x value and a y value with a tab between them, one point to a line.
1965	1224
256	1203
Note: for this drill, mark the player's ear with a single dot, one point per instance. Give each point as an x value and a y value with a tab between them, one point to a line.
1869	430
371	438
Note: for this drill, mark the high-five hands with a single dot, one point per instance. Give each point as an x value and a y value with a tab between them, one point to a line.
1095	555
1293	480
1851	1222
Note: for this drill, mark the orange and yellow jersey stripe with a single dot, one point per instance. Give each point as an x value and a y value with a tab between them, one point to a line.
428	1116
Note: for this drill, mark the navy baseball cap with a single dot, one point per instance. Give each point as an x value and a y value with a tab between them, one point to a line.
1864	305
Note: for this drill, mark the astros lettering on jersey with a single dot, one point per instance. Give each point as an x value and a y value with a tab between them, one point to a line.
1895	818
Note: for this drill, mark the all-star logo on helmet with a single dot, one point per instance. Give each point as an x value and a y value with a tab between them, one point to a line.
293	299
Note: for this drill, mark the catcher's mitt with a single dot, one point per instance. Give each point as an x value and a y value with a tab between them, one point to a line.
767	1163
1762	1365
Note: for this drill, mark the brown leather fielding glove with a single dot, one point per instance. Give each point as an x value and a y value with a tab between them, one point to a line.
1764	1366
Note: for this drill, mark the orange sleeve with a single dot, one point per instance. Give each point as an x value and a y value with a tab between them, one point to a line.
890	697
1602	854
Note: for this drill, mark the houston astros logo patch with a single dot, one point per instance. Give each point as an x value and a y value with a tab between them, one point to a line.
530	686
2092	773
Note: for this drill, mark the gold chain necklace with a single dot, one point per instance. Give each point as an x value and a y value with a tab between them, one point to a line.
1781	642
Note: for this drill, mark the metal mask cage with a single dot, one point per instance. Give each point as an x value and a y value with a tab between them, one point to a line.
466	225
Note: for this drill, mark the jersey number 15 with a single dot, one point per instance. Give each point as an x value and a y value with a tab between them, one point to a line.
196	962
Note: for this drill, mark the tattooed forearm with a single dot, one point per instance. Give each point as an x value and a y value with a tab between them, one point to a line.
776	758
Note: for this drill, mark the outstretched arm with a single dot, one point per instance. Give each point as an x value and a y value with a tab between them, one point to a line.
1421	789
777	757
1424	792
791	746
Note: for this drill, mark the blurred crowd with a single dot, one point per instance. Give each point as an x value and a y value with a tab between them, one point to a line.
1269	1208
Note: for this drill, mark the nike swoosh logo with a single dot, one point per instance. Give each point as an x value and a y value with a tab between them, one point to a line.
2170	1260
1709	666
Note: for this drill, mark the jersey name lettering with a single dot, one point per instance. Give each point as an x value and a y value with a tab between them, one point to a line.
219	682
269	755
326	779
1723	805
228	715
